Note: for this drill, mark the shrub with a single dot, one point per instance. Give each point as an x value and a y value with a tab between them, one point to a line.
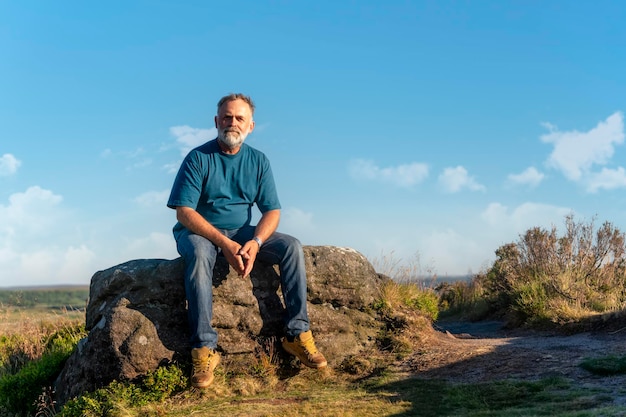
463	298
19	391
156	386
393	295
547	277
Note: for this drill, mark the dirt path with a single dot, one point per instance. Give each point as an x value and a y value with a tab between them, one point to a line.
475	352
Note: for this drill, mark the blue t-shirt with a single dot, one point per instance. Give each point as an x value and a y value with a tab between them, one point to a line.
222	187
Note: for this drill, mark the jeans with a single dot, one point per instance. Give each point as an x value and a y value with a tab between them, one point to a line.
200	255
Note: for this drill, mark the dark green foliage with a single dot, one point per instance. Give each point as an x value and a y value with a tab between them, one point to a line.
156	386
163	382
56	297
19	391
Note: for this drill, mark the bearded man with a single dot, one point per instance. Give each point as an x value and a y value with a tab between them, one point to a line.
213	194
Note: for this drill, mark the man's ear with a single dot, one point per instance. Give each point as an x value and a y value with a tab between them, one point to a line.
251	126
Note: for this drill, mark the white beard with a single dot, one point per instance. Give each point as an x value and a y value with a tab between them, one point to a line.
232	139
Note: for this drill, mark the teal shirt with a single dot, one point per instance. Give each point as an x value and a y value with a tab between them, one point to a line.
222	187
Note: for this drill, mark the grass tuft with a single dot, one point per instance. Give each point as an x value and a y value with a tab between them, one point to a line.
605	366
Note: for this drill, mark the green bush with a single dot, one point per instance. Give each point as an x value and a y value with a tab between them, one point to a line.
12	353
20	390
426	302
156	386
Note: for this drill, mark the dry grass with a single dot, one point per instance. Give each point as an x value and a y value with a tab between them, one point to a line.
15	320
403	270
310	393
25	332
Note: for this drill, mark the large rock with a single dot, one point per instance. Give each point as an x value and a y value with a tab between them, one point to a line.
137	320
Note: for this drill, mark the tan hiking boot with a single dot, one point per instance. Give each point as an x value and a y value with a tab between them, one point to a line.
303	347
204	361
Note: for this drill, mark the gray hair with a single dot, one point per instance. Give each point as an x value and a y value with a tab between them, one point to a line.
236	96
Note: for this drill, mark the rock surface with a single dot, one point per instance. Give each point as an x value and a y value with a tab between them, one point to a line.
137	320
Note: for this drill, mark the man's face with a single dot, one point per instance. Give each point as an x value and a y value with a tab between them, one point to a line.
234	123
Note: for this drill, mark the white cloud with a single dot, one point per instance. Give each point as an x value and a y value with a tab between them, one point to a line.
189	137
32	211
43	242
575	153
530	176
607	179
8	165
48	266
455	179
34	233
406	175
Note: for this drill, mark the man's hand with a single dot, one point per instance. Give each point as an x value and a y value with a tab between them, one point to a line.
233	254
248	253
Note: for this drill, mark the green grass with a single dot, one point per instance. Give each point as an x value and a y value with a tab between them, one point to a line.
315	394
605	366
547	397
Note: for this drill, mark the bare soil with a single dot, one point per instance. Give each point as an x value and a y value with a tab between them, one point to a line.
464	352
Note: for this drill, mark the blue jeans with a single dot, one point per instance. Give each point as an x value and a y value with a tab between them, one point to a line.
200	255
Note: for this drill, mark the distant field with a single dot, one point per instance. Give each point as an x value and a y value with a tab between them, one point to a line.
74	297
25	310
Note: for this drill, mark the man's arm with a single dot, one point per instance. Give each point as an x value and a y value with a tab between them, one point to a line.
264	229
197	224
267	225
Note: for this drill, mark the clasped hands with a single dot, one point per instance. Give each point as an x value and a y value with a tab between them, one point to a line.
242	258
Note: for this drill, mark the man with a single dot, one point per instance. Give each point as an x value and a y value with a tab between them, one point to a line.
213	194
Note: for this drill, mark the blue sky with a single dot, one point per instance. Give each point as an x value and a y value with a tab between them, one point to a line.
430	130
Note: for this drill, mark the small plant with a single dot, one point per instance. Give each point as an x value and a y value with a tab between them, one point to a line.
156	386
265	362
394	295
45	404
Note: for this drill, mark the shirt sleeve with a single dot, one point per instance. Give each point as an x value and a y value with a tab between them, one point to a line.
267	199
188	183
